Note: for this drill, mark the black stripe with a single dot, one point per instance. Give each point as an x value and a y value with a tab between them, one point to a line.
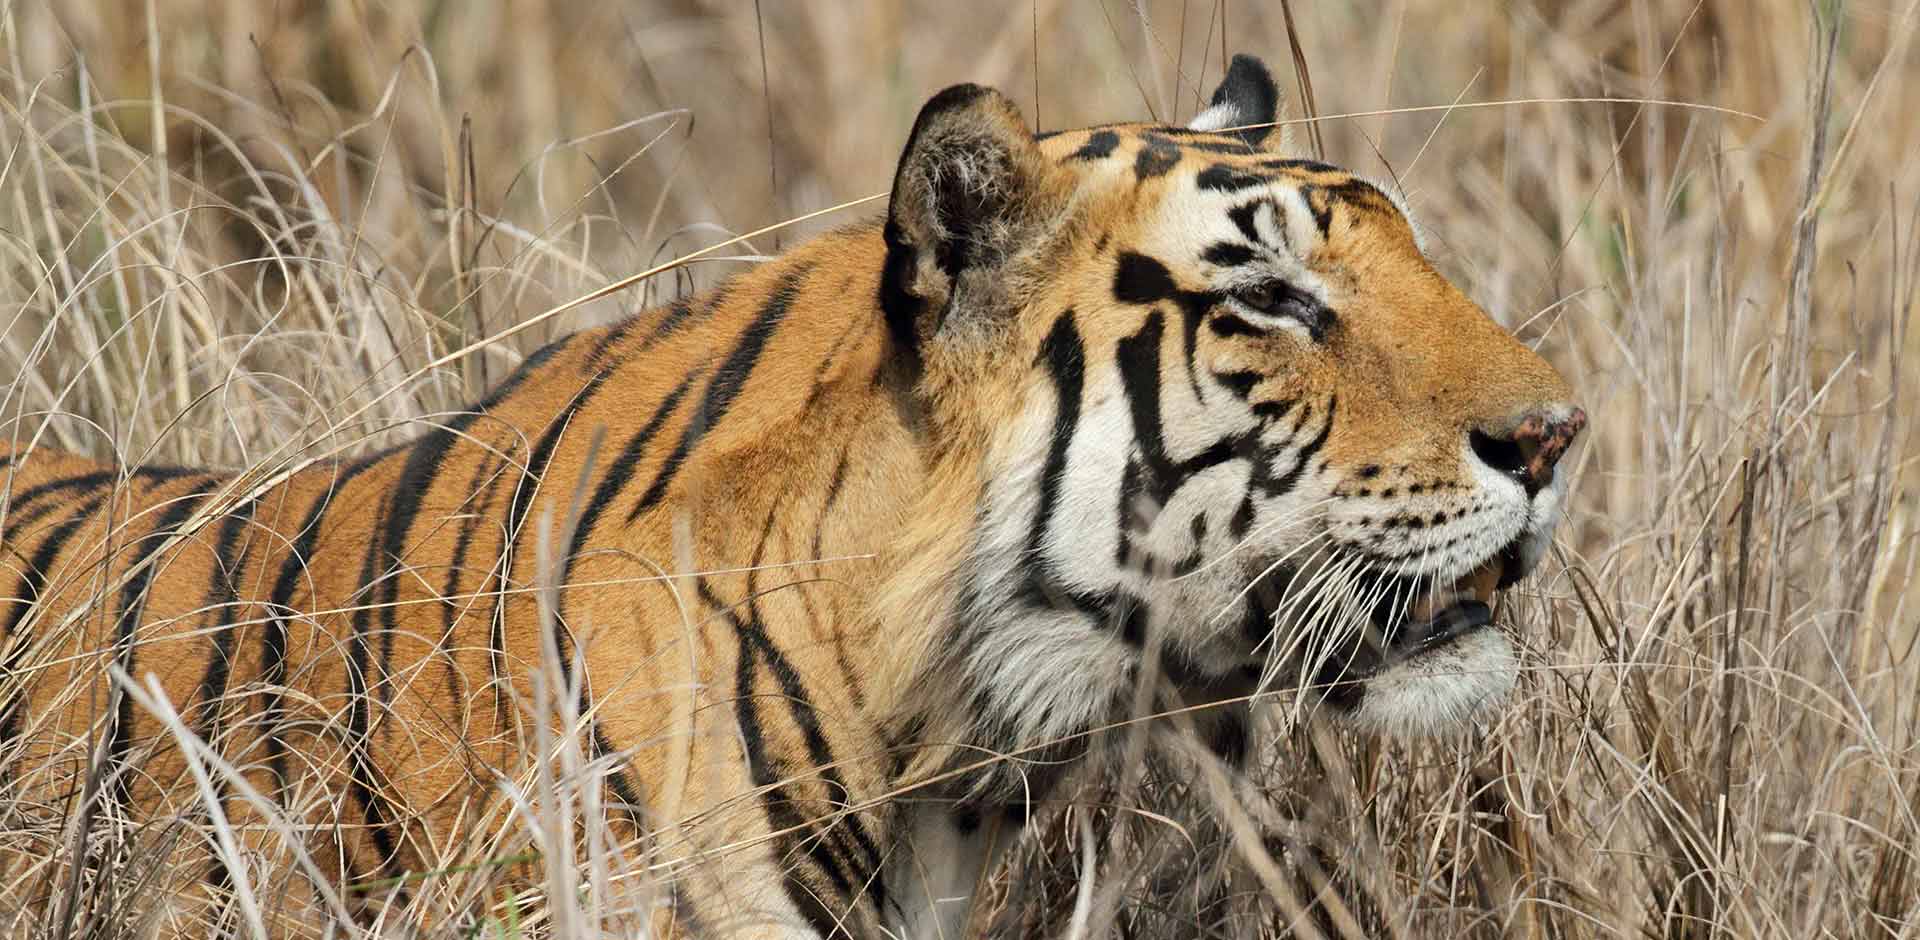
617	334
619	473
819	917
1193	309
34	579
531	479
1131	614
1138	279
817	386
273	639
213	683
1245	217
1042	590
1262	479
133	608
622	785
1139	359
682	314
1099	145
1212	146
363	776
1239	381
1284	483
1228	254
450	591
834	483
425	458
528	366
1273	411
1222	177
754	638
679	314
684	920
1066	361
1358	192
32	582
1157	156
1320	201
767	775
806	716
1192	136
727	382
1228	325
79	481
223	590
610	486
1159	474
468	526
163	473
84	483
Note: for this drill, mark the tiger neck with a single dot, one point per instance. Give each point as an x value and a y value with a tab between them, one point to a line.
799	477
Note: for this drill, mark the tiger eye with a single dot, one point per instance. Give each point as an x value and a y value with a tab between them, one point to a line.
1261	297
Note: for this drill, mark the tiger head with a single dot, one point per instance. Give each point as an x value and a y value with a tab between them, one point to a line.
1224	408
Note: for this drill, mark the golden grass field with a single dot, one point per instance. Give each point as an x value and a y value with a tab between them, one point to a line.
231	228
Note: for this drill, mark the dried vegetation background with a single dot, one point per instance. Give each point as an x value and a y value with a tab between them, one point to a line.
235	232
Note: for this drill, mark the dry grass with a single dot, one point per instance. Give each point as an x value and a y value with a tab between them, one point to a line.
255	257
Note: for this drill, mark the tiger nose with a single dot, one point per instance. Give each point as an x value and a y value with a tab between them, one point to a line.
1529	452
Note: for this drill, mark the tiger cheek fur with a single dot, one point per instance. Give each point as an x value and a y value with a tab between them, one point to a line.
843	561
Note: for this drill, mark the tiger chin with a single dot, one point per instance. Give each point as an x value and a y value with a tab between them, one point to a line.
863	549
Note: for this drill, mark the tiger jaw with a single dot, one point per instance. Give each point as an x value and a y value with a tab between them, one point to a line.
1429	660
1441	690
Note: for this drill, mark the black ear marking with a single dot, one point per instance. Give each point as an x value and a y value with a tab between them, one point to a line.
1247	95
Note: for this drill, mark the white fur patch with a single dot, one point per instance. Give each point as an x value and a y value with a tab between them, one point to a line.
1440	692
1217	118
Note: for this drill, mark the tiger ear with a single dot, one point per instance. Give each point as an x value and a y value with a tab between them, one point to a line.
1246	96
972	187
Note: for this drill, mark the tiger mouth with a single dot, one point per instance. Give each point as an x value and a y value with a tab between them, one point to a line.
1402	630
1439	616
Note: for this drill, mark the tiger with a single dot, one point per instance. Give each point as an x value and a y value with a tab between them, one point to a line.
841	567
